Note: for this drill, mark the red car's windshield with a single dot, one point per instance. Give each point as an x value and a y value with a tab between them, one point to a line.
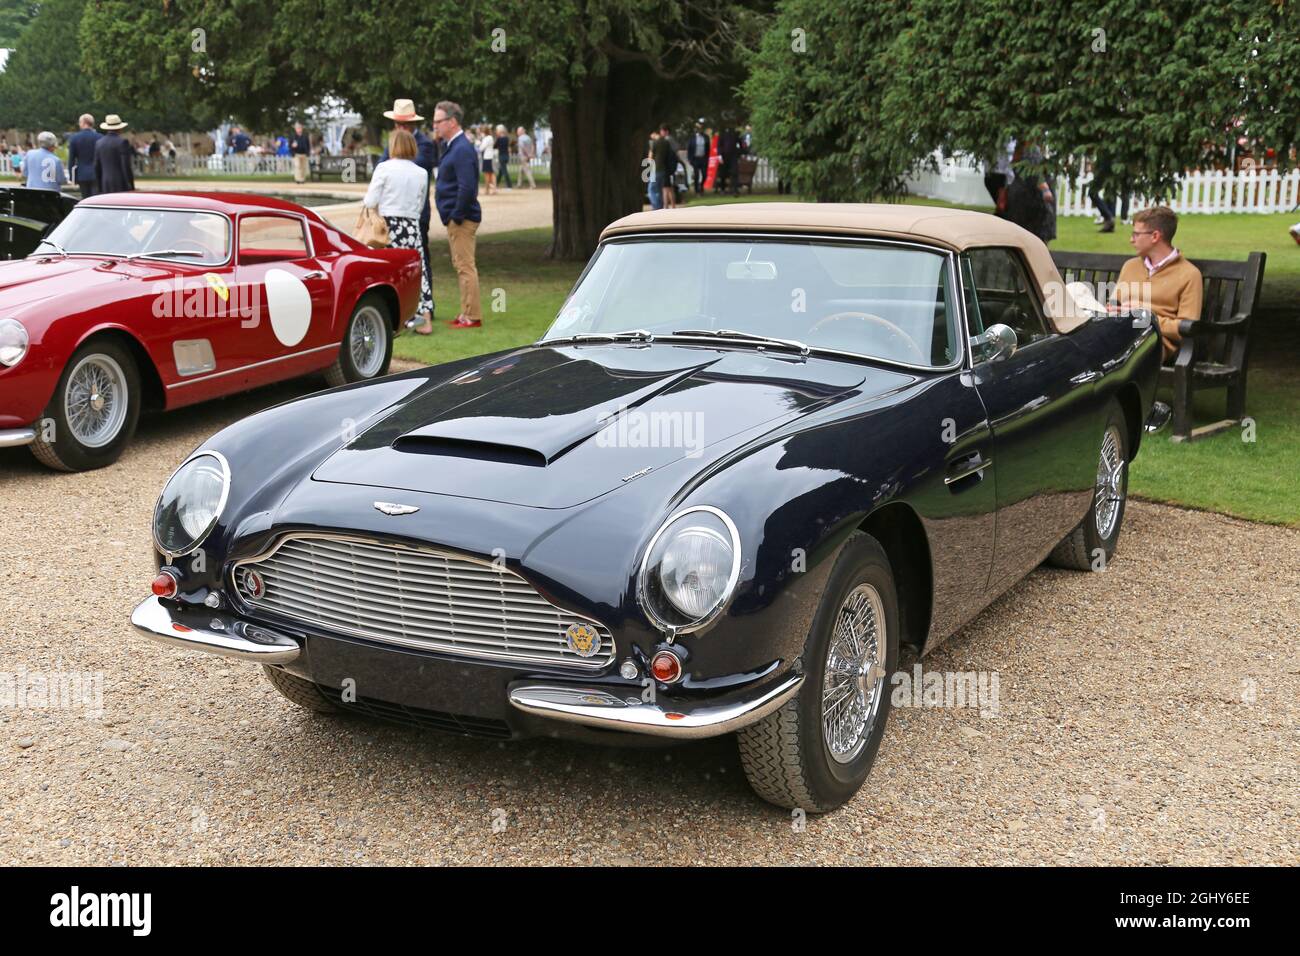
201	238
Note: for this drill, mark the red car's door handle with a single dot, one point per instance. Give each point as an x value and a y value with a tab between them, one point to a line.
314	274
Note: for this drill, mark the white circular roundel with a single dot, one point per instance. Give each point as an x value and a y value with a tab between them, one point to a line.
289	303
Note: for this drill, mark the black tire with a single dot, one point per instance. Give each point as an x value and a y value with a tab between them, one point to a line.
302	692
785	755
1086	548
344	371
57	444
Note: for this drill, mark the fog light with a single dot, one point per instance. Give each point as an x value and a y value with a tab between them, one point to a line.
628	670
164	585
666	667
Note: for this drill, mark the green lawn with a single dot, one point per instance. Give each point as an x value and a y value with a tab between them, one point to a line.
1259	480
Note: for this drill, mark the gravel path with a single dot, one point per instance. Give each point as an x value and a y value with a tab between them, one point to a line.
1134	724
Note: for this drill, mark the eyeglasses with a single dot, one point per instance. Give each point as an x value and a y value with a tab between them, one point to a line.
1143	232
445	119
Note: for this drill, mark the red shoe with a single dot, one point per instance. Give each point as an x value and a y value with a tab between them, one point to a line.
460	322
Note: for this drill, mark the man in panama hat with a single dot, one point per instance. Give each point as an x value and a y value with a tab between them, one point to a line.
113	156
405	117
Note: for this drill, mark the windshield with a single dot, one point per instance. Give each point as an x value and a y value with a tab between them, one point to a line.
199	238
872	299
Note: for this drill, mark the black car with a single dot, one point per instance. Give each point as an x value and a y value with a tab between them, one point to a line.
760	447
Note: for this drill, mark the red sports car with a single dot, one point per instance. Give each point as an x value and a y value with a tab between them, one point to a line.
159	300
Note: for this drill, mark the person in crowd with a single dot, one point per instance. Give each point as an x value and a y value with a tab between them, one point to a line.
41	168
300	149
998	175
487	147
81	155
154	152
664	154
729	158
1102	193
527	150
458	208
239	141
113	158
747	140
653	191
697	154
502	142
399	190
282	145
1030	203
1158	277
405	117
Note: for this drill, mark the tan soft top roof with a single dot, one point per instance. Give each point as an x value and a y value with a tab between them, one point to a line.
956	229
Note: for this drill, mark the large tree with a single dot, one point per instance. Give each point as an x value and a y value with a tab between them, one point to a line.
1152	89
601	71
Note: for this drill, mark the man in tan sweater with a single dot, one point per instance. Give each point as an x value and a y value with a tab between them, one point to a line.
1158	277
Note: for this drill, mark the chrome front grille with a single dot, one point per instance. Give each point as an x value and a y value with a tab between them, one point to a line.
414	597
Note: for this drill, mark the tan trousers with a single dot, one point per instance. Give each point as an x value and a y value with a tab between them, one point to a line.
461	239
299	168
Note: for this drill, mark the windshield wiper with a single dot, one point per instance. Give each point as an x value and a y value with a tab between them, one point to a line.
156	253
58	248
800	347
635	335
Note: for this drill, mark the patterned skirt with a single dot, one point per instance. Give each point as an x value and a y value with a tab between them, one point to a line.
404	233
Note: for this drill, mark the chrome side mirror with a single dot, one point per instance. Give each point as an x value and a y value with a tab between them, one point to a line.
997	342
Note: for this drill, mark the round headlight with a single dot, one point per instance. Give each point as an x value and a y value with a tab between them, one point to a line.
13	342
191	503
690	569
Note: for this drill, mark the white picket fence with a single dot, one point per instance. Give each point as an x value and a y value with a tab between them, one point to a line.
1262	191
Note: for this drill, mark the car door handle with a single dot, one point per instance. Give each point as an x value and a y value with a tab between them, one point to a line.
315	274
965	468
1083	378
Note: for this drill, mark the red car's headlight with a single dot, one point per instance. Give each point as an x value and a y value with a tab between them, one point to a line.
13	342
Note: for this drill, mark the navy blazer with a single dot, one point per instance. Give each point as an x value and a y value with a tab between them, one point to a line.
456	192
113	172
81	155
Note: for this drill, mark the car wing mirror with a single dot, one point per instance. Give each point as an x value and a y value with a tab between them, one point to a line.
997	342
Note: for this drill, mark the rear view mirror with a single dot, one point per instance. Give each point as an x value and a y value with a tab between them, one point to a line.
751	270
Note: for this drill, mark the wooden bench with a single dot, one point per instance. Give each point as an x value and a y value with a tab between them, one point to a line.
352	169
1215	350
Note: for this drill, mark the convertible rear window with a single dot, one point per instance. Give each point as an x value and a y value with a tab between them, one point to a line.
874	299
181	235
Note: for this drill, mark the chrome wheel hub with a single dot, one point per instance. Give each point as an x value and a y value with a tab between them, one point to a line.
367	342
95	400
1109	493
854	680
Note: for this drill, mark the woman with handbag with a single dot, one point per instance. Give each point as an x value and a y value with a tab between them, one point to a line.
399	190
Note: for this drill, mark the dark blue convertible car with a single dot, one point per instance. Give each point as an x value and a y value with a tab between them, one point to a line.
760	446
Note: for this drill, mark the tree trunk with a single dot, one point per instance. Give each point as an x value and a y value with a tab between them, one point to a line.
600	135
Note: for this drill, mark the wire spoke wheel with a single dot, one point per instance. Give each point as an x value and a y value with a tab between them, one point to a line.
1109	494
367	341
95	401
853	683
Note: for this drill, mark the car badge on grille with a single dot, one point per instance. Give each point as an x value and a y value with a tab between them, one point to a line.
583	639
251	584
388	508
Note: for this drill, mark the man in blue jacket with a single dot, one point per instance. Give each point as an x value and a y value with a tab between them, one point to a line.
81	155
456	196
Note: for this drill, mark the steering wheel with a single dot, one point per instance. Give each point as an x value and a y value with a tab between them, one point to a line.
895	334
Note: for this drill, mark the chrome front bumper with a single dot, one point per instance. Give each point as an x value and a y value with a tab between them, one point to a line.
13	437
599	707
214	633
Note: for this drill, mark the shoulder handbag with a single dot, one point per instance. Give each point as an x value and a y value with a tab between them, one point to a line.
371	230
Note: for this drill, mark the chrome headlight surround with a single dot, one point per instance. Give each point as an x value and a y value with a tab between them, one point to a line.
654	597
14	342
207	520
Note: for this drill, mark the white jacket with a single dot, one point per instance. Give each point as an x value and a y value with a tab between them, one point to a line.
399	188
